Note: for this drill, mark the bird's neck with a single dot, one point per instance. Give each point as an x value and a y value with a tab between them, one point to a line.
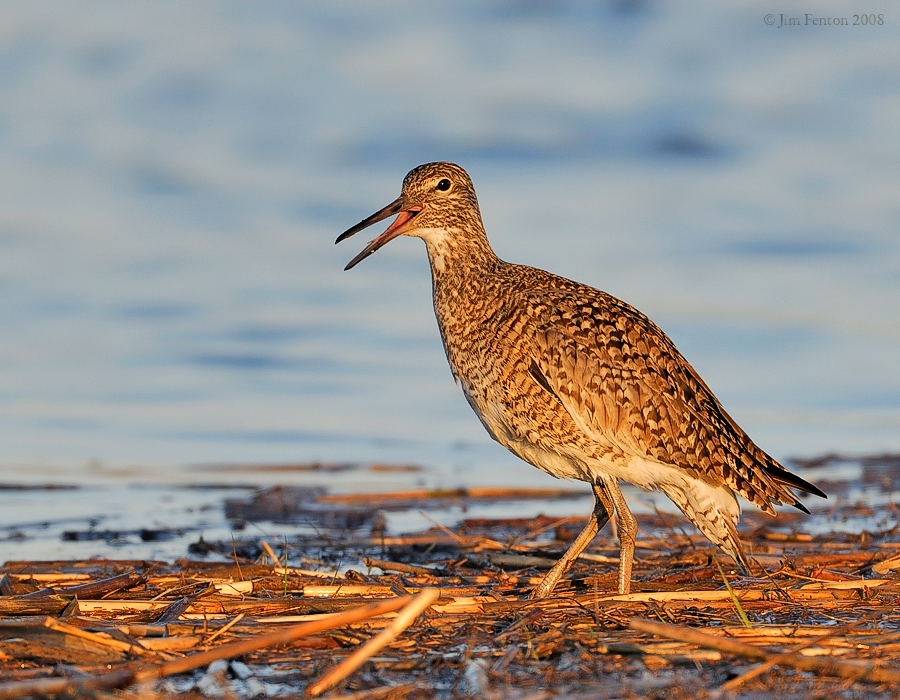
454	253
465	274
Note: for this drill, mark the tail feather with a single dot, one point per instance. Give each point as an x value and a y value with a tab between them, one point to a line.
783	476
766	482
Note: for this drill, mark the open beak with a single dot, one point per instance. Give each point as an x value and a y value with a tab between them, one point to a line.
407	212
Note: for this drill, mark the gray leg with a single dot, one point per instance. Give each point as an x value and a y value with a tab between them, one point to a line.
603	507
627	527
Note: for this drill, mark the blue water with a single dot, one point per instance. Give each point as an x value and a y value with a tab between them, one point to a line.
173	177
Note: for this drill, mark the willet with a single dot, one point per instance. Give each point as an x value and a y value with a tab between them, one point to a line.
577	382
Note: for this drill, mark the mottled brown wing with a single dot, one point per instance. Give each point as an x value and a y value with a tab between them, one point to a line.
616	372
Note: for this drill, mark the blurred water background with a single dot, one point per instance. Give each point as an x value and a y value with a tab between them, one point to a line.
173	177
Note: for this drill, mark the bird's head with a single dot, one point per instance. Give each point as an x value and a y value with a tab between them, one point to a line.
437	203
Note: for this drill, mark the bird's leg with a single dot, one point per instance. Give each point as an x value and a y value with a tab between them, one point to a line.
627	528
603	507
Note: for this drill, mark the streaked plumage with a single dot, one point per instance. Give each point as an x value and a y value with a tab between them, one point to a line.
577	382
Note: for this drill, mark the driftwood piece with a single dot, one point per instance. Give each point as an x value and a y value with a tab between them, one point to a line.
94	589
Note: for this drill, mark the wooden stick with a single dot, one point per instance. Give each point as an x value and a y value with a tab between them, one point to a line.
177	608
224	628
125	677
330	575
346	589
403	620
17	607
44	577
829	667
397	566
126	647
179	643
268	549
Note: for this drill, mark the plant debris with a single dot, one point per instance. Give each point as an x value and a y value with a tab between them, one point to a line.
351	610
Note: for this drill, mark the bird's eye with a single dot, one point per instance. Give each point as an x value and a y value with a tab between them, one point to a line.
444	185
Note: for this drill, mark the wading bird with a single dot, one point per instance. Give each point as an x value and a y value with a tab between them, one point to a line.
577	382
